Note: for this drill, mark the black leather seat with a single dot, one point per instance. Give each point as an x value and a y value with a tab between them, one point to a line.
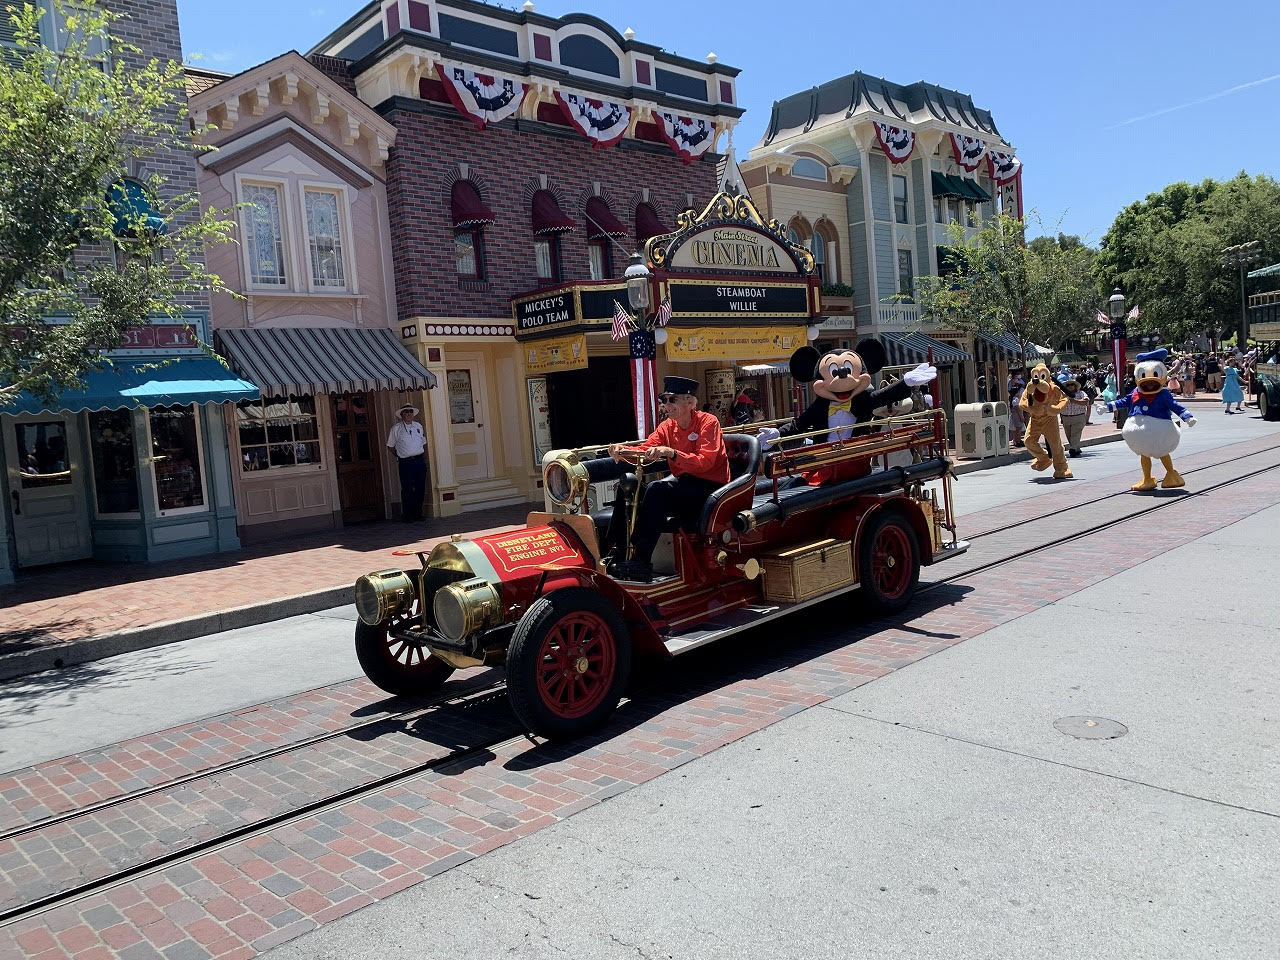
744	455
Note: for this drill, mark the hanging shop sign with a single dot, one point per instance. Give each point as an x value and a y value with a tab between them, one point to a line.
483	97
729	236
556	354
896	142
559	310
539	312
734	343
968	151
728	298
603	122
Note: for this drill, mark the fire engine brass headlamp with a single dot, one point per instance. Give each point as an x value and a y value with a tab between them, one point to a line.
565	480
382	595
465	606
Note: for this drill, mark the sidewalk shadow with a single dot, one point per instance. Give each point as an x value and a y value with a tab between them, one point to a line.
17	639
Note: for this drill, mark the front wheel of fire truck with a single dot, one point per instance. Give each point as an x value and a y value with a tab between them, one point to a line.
888	563
400	667
568	663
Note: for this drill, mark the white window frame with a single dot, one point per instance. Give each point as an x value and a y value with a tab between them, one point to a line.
287	216
280	471
809	176
906	198
350	284
204	480
93	474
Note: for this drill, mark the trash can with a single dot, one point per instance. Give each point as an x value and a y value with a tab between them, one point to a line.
982	429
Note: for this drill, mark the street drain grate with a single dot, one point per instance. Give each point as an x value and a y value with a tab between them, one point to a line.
1090	728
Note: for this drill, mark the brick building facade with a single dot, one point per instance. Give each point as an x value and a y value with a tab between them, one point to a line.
465	194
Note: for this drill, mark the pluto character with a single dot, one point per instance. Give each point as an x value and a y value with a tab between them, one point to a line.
1041	403
1150	431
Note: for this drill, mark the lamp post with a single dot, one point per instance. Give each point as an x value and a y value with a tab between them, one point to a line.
637	276
1119	333
1239	256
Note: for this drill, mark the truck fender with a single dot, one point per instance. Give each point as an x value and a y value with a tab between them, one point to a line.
644	638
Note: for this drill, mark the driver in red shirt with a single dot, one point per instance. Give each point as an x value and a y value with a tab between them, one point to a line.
691	442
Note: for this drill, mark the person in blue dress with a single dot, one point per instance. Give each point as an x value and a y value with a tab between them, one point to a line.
1232	393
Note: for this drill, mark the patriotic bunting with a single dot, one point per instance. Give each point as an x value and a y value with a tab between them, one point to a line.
968	151
643	352
483	97
690	137
1003	167
896	142
603	122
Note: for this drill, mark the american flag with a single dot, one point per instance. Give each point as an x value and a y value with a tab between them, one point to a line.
621	321
1135	313
664	312
643	352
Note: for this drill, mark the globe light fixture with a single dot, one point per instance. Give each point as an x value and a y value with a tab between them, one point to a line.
1115	305
637	276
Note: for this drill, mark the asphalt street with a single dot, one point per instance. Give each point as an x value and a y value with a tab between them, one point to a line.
56	713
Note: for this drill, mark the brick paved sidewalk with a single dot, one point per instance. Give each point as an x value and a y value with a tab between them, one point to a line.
72	601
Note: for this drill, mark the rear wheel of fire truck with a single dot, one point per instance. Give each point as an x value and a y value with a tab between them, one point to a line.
568	663
400	667
888	563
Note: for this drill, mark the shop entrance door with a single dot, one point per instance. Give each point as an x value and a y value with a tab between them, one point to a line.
355	442
472	457
47	501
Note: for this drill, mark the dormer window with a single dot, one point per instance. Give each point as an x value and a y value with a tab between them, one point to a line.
808	168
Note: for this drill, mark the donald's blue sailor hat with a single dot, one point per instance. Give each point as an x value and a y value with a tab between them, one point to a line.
1162	355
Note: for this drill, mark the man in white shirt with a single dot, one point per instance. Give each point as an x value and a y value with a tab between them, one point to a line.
409	442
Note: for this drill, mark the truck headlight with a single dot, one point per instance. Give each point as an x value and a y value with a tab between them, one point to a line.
566	480
380	596
465	606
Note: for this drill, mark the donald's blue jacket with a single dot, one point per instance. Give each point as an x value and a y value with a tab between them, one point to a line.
1162	406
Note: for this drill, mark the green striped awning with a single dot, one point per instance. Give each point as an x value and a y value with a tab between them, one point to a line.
907	348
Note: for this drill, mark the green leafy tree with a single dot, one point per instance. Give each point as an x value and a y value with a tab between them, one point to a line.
77	267
1042	292
1165	252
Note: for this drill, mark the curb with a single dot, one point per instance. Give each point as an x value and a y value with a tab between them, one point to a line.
22	663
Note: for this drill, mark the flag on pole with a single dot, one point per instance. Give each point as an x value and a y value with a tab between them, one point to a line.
1135	313
643	352
664	312
621	321
1102	318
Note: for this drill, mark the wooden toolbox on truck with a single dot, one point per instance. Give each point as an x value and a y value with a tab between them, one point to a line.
807	570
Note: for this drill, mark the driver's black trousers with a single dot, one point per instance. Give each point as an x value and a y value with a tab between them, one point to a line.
681	497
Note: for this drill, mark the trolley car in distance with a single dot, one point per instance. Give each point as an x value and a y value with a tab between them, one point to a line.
792	528
1265	382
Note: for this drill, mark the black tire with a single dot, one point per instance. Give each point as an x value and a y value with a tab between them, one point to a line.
1265	407
888	563
401	668
568	663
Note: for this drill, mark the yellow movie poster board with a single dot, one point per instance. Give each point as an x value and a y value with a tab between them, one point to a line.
733	343
555	354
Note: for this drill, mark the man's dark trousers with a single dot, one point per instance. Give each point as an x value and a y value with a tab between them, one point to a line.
413	485
682	497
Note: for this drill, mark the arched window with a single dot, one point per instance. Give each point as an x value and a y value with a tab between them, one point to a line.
549	221
603	229
819	248
470	217
825	254
809	169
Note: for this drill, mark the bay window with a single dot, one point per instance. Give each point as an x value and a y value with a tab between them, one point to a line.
264	234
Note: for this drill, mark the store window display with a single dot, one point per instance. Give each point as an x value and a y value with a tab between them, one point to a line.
175	451
277	432
115	463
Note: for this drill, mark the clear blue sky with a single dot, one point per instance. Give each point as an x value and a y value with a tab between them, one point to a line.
1104	101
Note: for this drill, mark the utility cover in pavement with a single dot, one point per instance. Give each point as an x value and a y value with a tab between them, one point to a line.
1090	728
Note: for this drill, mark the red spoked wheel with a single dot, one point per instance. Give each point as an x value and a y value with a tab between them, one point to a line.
402	668
568	663
888	563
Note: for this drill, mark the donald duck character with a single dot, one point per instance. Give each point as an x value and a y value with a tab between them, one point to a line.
1150	431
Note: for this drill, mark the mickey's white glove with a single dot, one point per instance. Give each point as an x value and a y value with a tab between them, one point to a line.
920	375
1190	421
768	436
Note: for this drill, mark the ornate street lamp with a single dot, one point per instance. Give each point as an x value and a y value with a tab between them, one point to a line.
1115	309
638	277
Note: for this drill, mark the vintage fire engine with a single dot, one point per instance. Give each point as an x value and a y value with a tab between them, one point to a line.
539	601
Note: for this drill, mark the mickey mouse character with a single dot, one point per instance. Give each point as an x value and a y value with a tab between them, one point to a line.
843	398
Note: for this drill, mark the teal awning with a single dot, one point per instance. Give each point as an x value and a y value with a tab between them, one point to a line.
943	186
159	383
1266	271
975	191
134	209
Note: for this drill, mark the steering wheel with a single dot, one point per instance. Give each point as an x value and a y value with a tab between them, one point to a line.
636	456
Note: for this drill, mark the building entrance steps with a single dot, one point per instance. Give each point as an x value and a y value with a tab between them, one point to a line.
76	612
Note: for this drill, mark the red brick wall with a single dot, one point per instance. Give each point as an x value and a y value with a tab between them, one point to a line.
503	162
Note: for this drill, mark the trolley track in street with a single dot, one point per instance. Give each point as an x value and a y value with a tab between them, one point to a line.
480	695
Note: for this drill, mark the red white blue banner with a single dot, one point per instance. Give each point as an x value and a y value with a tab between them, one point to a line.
896	142
968	151
483	97
1003	167
603	122
690	137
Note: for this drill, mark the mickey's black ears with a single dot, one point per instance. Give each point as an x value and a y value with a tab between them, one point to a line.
804	364
872	354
